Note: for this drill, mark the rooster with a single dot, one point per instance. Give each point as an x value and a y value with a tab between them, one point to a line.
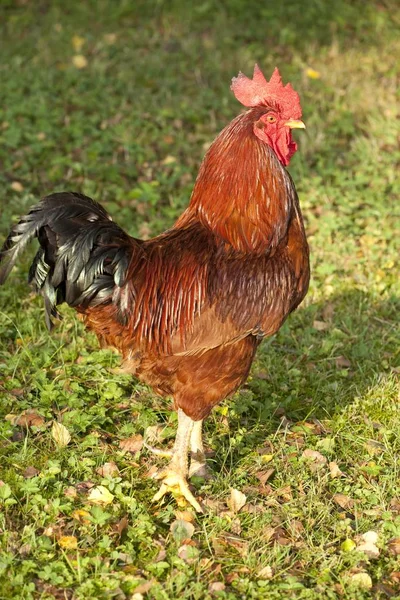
188	308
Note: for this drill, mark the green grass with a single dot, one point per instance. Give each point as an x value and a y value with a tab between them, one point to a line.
130	129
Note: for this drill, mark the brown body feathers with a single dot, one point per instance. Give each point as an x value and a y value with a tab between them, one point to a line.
201	296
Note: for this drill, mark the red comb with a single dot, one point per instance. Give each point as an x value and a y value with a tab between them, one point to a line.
260	92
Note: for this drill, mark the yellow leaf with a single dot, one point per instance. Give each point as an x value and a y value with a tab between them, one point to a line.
69	542
237	500
81	515
60	434
312	73
79	61
77	42
100	495
266	458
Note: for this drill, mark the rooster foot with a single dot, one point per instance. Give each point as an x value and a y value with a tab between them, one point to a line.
175	483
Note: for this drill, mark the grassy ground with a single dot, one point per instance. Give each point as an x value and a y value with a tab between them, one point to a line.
119	102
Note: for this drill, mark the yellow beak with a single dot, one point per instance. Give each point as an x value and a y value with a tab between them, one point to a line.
295	124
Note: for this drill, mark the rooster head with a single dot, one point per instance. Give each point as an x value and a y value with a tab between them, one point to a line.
282	110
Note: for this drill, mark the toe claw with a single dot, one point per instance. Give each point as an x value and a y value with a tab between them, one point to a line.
176	484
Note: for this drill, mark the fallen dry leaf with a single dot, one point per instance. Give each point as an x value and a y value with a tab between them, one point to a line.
263	476
362	580
81	515
100	495
60	434
334	470
369	550
132	444
185	515
79	61
314	456
30	472
68	542
109	469
17	186
236	501
182	530
342	362
120	527
265	573
216	586
320	325
188	553
70	492
343	501
374	448
144	587
27	418
394	546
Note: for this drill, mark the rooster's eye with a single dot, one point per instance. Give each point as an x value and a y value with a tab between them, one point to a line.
271	118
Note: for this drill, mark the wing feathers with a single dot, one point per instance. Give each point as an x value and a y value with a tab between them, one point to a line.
83	254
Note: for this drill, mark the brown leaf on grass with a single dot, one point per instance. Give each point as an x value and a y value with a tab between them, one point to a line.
185	515
394	546
374	448
28	418
188	553
334	470
18	392
216	586
120	527
320	325
132	444
342	362
314	456
109	469
395	506
343	501
70	492
30	472
236	501
233	541
285	493
144	587
263	476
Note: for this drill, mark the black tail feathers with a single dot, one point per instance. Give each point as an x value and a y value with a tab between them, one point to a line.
83	254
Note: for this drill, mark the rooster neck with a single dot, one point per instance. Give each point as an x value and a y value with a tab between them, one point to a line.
242	192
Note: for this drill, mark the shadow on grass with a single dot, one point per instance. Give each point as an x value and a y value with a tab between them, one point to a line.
326	355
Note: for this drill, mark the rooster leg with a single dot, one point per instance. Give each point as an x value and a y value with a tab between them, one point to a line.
198	465
174	476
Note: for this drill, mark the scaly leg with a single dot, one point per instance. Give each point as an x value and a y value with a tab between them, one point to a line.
197	459
174	476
